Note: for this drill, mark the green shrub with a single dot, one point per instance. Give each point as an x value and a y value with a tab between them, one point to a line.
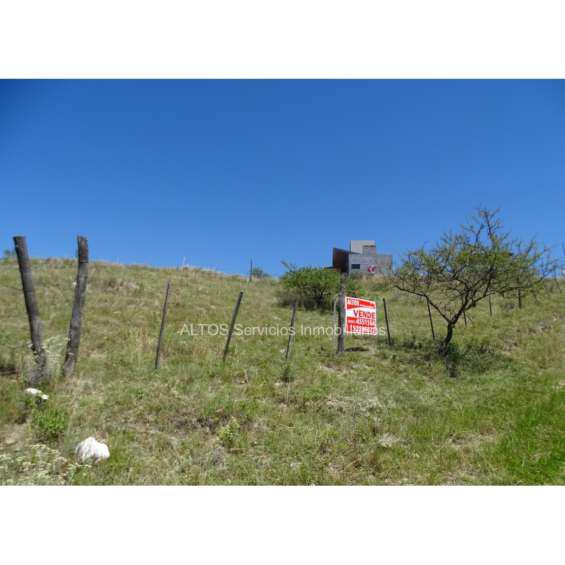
312	288
49	422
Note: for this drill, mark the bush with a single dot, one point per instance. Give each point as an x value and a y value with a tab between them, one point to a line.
309	287
312	287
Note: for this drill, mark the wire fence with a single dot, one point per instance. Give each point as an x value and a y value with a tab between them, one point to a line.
408	316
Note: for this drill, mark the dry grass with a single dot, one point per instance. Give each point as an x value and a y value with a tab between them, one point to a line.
383	416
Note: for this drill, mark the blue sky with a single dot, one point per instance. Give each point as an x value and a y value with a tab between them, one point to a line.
221	171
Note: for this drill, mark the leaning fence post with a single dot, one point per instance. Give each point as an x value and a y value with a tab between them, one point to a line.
430	316
162	328
290	333
73	341
232	325
341	317
32	310
389	341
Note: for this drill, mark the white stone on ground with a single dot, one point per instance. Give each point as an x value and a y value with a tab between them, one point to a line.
36	392
92	449
387	440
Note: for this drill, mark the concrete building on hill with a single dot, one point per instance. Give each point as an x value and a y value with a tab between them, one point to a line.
361	258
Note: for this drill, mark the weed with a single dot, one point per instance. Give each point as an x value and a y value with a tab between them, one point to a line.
49	422
229	434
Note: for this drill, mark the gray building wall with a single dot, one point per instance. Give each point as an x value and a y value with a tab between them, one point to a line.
361	258
361	263
363	246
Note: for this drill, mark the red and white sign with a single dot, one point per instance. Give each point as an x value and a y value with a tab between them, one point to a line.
360	316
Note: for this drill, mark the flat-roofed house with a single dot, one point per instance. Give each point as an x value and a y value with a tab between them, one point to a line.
362	257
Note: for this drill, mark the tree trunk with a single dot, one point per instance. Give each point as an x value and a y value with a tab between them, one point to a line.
431	319
39	353
73	341
443	348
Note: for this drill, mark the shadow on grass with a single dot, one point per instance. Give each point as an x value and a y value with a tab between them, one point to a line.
473	356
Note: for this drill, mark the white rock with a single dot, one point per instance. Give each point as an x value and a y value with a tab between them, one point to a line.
92	449
387	440
36	392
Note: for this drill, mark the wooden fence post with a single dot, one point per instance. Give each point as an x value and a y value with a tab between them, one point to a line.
341	317
290	333
73	341
465	318
334	318
490	305
162	328
232	325
250	270
32	310
389	341
431	321
519	298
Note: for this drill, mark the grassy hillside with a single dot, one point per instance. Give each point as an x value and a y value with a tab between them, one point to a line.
386	415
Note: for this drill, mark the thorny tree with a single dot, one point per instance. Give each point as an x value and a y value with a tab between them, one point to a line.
467	267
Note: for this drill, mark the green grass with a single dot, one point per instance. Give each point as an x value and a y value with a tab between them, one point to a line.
387	415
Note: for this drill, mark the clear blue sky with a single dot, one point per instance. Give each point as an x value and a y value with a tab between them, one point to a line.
221	171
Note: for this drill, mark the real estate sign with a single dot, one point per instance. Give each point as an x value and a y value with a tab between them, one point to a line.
360	316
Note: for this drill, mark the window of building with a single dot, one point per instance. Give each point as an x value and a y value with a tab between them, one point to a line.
356	266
